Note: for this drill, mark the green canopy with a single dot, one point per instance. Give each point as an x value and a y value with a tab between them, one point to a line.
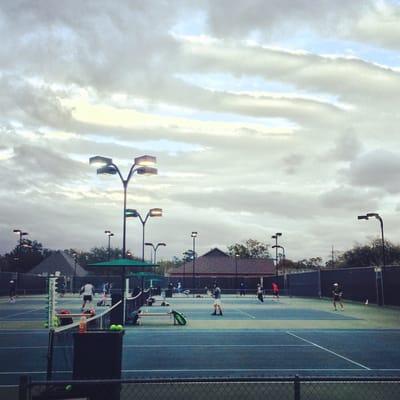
145	275
123	262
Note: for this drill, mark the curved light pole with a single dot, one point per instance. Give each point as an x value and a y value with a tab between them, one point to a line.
277	234
109	234
153	212
154	261
194	235
143	166
236	270
20	244
379	218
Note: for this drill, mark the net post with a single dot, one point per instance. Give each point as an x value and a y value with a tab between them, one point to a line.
23	387
50	352
296	387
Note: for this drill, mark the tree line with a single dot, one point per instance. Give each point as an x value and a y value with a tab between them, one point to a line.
31	253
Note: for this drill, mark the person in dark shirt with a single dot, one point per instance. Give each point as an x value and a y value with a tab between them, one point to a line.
337	296
260	292
242	289
12	286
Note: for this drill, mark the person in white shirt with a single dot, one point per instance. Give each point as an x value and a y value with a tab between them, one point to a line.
87	291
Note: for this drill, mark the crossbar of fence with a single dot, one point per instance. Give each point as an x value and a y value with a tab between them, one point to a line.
284	388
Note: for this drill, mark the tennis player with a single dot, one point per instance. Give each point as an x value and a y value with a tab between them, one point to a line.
87	292
337	296
217	300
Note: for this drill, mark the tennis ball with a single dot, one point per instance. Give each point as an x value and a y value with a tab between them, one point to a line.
120	328
68	388
113	327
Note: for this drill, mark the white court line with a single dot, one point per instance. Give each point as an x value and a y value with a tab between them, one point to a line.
245	313
24	312
329	351
216	370
168	346
216	345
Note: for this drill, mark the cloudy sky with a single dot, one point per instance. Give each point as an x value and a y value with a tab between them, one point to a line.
264	116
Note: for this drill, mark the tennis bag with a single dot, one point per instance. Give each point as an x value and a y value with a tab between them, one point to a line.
179	317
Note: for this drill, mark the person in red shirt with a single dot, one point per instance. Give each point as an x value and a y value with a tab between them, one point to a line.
275	290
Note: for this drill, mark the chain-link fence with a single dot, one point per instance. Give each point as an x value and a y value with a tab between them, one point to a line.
287	388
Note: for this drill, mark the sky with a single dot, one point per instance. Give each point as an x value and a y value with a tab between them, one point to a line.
265	116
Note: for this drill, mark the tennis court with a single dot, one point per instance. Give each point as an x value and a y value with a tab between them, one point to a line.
252	339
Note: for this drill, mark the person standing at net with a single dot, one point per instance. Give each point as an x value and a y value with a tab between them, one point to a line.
217	300
337	296
87	292
260	294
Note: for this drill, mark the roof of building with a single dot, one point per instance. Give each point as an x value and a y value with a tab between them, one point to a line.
59	261
213	263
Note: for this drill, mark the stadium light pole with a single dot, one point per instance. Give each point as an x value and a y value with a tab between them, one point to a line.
142	165
380	271
194	235
236	270
378	217
277	234
20	243
155	249
109	234
153	212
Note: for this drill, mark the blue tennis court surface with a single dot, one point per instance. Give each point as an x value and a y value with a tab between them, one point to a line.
251	339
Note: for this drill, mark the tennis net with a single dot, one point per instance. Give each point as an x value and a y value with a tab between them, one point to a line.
60	346
133	304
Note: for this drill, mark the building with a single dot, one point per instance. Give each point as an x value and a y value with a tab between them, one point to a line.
228	271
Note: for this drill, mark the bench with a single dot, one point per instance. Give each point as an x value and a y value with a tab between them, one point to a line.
154	314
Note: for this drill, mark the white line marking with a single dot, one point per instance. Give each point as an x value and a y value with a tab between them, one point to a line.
216	345
329	351
209	370
245	313
24	312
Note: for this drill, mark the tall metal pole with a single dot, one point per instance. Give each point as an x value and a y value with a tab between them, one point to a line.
236	271
143	223
194	260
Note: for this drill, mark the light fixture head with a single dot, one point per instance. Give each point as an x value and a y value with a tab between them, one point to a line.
237	255
273	237
17	231
376	215
100	161
107	231
146	161
156	212
130	212
107	169
194	234
147	171
161	244
278	234
148	244
362	217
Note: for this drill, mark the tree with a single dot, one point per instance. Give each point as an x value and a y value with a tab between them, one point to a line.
369	254
188	255
24	257
251	248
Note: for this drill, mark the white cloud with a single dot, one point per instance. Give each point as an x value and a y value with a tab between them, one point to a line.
253	131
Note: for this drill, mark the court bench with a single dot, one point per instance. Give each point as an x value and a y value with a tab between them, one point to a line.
178	318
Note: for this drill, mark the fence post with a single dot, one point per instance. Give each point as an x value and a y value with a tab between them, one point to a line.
50	352
296	387
23	388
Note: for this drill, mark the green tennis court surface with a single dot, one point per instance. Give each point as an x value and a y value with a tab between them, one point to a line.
252	339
